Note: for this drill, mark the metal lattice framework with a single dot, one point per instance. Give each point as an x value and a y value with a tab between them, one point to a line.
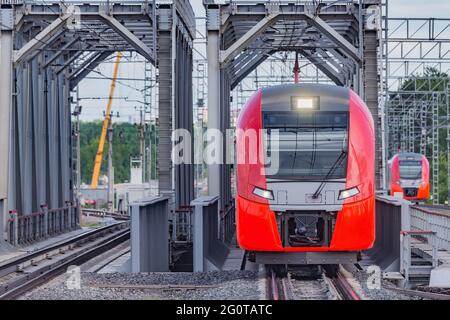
328	35
340	38
417	53
413	45
417	121
277	69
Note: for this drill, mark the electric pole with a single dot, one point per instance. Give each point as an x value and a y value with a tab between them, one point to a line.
142	150
110	194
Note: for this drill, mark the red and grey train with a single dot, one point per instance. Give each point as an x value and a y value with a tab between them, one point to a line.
409	173
318	206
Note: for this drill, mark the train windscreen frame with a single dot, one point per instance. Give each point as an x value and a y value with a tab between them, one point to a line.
310	144
410	169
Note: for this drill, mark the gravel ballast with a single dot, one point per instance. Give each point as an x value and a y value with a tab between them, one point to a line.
362	277
224	285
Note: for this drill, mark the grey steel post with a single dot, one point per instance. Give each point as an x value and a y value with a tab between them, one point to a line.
214	116
165	119
6	51
406	215
78	196
198	237
371	37
405	254
110	196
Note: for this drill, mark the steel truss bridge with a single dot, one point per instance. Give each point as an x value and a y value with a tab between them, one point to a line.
48	47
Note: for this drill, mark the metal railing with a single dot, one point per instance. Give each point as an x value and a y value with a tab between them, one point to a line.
408	238
424	219
26	229
419	268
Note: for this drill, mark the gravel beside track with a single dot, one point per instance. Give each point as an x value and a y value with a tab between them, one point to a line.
361	276
225	285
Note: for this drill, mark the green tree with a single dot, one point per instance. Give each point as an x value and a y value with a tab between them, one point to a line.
125	146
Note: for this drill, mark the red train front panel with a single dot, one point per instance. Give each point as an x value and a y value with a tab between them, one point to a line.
322	197
410	175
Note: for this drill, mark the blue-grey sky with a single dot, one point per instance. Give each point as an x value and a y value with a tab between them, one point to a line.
397	8
419	8
93	109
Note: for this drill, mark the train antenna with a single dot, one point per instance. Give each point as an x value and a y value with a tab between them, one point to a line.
296	70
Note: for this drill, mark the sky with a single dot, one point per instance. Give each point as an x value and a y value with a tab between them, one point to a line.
397	8
93	108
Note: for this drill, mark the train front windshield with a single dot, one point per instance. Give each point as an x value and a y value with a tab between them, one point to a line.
410	169
310	144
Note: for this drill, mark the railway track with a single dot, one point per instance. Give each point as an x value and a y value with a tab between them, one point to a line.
278	282
343	288
20	275
104	214
280	286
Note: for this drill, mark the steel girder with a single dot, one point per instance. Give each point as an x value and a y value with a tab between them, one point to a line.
331	36
175	104
243	25
51	58
323	66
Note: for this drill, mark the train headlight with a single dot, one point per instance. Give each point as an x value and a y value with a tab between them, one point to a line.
304	103
266	194
345	194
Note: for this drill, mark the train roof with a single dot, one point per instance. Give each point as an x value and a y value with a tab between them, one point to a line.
409	156
332	97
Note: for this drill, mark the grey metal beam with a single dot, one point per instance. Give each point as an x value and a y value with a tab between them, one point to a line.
61	51
165	111
248	69
370	87
247	38
40	40
6	51
333	35
137	44
322	66
69	61
214	115
86	68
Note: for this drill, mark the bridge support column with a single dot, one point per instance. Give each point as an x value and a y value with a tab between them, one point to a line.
214	114
6	50
371	43
165	111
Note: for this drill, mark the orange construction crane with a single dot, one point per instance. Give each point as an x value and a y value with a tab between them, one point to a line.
106	122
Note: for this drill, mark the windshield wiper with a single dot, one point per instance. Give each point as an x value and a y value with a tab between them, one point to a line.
336	165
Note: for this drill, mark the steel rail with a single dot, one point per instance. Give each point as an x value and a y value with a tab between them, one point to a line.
11	265
26	281
278	285
344	288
